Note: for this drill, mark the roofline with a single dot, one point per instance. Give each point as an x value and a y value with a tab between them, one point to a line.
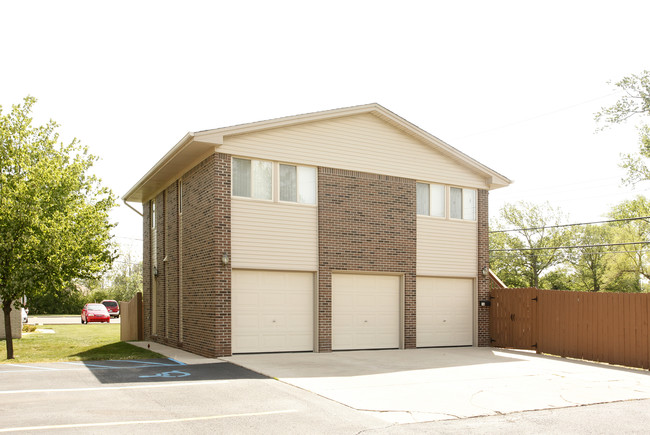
186	140
207	139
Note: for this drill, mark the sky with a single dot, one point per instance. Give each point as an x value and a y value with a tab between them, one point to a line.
513	84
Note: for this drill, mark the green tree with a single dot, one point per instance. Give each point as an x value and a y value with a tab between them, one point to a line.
634	260
561	277
635	101
590	262
523	255
54	224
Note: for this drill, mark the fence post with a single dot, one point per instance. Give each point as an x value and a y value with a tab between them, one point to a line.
534	319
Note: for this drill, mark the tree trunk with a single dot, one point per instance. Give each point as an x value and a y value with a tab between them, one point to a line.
6	309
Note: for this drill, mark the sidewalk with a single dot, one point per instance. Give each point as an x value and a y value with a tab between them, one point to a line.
175	354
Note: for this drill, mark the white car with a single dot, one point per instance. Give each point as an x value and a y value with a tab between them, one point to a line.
23	314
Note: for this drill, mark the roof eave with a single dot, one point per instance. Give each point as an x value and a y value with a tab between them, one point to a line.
187	148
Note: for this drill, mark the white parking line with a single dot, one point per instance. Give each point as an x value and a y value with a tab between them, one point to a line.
93	365
27	367
149	362
81	364
127	387
125	423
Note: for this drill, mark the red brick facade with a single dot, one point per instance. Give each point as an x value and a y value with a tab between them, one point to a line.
367	223
483	262
192	289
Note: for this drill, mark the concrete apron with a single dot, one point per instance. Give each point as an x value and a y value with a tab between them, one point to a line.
419	385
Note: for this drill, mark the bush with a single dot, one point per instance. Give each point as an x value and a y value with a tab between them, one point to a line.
29	328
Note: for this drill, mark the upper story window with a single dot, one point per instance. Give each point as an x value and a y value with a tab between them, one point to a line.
261	179
462	203
431	199
252	178
298	184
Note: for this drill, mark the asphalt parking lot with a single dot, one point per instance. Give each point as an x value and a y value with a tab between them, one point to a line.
164	396
372	392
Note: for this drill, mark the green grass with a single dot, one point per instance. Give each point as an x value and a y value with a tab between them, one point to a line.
74	343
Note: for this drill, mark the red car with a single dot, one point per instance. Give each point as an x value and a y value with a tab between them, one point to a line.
95	313
113	307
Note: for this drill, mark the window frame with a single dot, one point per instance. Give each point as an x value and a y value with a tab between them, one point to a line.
275	195
252	179
298	184
463	191
447	202
431	192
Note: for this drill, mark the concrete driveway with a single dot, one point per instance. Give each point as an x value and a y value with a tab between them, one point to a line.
403	386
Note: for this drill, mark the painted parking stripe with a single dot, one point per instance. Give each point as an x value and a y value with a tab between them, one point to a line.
94	365
78	365
134	422
148	362
127	387
30	367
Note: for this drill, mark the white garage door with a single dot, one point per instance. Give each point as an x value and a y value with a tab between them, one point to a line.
365	311
444	312
272	311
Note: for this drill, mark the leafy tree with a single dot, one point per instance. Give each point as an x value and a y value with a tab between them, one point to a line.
67	301
635	101
635	260
592	262
560	278
54	225
126	278
525	251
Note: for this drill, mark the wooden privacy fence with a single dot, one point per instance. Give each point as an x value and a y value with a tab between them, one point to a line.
132	319
605	327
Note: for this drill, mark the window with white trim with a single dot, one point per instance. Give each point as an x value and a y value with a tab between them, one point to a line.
430	199
298	184
462	203
252	178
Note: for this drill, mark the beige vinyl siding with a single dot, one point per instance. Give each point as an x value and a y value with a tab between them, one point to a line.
280	236
361	143
446	247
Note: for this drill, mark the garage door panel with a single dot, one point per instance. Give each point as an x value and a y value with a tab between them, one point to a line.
365	311
247	321
297	320
444	311
272	311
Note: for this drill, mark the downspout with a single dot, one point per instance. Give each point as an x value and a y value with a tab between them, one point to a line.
131	207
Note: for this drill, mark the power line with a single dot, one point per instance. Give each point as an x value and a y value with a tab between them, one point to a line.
521	121
569	247
571	225
598	253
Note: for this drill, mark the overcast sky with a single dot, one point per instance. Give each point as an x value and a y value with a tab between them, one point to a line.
512	84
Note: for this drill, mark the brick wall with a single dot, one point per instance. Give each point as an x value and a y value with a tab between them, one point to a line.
366	222
205	237
191	278
170	267
146	268
483	261
161	282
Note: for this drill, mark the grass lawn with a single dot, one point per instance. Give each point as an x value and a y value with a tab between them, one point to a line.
74	343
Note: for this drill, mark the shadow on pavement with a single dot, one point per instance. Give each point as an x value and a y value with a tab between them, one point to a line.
165	370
